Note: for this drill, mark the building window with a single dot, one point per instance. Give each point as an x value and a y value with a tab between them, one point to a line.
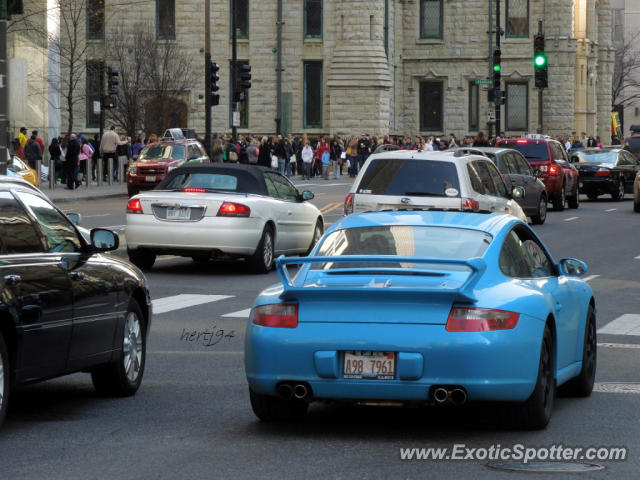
431	19
312	95
95	19
312	18
516	106
166	19
474	107
431	106
618	26
94	75
243	105
242	17
517	18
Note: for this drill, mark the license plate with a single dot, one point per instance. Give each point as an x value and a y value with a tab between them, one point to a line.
178	213
369	365
150	179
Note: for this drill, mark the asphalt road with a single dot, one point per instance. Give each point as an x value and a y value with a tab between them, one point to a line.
192	418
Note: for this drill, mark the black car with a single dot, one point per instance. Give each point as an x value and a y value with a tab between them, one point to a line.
64	306
517	172
606	171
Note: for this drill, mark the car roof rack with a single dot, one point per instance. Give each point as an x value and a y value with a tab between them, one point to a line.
463	151
178	134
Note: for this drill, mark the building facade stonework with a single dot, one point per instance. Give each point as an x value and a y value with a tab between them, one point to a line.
390	66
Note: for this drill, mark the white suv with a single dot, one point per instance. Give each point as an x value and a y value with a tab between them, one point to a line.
444	180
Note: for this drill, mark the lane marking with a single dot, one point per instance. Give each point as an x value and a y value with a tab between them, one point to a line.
613	387
611	210
570	218
638	257
627	324
184	300
618	345
335	207
590	277
330	207
239	314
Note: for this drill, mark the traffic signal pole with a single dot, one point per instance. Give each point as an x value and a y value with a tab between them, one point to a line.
234	60
497	92
540	91
207	76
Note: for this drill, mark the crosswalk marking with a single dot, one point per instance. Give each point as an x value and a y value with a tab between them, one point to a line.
177	302
628	324
611	210
239	314
590	277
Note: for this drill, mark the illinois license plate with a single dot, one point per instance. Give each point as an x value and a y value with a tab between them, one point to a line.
178	213
369	365
150	178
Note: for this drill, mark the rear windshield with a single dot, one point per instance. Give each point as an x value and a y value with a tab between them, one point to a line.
406	241
533	151
237	181
162	152
591	156
410	177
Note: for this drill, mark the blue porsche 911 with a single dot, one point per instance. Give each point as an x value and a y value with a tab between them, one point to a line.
434	307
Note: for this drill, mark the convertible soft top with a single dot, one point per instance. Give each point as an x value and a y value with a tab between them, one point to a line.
250	177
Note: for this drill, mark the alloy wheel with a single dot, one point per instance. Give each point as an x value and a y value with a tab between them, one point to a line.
547	376
1	381
590	349
542	209
621	190
267	251
132	346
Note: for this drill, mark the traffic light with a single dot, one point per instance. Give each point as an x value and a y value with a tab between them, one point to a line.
539	62
244	76
491	94
214	68
112	81
497	75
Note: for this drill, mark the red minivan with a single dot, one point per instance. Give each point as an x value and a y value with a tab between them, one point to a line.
157	159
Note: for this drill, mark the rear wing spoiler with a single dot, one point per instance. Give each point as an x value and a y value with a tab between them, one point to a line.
462	293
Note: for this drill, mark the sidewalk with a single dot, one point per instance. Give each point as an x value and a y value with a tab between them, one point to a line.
60	194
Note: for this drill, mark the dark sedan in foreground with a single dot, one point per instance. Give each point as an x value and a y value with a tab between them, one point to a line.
64	306
606	171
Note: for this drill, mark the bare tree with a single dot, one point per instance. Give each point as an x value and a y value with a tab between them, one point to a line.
625	85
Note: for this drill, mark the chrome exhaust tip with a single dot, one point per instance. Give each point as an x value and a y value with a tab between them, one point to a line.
458	396
440	395
285	391
300	391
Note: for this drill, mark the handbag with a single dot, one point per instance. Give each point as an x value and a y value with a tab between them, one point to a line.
292	158
348	164
274	161
343	155
233	157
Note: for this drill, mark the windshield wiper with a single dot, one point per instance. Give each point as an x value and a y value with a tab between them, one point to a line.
424	194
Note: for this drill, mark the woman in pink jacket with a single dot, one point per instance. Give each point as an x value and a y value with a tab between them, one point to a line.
85	152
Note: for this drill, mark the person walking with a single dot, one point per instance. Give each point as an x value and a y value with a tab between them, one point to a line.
22	136
71	162
86	152
480	140
336	156
32	151
108	147
264	153
353	156
252	152
55	154
307	159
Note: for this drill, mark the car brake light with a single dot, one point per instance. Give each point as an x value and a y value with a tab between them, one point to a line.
348	204
603	172
230	209
276	315
194	190
469	204
480	320
134	206
521	141
553	169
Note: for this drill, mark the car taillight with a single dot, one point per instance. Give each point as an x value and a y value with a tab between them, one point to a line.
278	315
194	190
521	141
553	169
470	205
603	172
134	206
480	320
230	209
348	204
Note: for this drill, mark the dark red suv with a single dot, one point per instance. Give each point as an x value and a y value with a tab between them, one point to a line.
544	154
158	158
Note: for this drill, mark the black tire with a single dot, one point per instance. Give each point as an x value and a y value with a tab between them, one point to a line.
559	201
618	194
5	379
636	205
122	377
141	259
262	259
574	201
318	230
540	217
592	196
582	385
270	409
534	414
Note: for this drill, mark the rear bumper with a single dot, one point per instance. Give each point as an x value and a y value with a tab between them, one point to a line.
235	236
498	366
597	185
553	184
140	181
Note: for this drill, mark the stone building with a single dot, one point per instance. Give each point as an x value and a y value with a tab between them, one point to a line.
374	66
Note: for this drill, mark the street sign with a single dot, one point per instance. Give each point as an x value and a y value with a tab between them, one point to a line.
482	82
236	119
492	115
96	107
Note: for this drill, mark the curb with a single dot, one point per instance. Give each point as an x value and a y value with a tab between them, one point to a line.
92	197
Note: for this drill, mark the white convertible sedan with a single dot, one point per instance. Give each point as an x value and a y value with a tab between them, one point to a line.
222	211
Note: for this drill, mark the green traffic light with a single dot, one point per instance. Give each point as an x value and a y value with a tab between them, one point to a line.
540	60
496	68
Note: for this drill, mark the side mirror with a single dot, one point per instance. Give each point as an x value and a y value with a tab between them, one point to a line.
193	157
572	267
307	195
103	240
74	217
517	193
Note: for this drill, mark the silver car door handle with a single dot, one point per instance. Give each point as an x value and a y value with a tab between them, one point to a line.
12	280
289	212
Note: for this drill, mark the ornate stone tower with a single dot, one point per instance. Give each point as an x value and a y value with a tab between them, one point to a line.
359	80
